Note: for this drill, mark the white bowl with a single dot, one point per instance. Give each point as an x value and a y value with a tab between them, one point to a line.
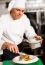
34	41
1	52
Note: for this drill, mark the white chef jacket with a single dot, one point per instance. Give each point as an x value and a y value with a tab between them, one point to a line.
15	29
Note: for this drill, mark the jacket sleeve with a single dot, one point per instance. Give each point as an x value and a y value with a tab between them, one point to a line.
1	32
30	32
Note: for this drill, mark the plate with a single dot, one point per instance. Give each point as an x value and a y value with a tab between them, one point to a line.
34	59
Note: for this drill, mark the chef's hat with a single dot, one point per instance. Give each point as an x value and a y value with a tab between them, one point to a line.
16	4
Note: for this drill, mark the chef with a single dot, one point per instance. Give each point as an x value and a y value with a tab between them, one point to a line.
13	25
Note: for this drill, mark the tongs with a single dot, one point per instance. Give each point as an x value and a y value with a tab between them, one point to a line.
21	53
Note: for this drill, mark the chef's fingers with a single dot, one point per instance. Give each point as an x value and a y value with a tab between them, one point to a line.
14	49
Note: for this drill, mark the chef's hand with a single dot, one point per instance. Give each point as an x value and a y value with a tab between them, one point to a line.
37	37
12	47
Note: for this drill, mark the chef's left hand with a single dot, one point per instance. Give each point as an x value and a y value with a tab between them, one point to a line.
37	37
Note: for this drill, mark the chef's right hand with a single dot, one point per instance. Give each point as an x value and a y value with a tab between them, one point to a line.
12	47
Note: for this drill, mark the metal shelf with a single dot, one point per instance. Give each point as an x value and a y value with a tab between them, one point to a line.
4	1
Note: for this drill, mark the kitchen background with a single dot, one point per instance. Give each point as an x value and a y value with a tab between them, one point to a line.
35	10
